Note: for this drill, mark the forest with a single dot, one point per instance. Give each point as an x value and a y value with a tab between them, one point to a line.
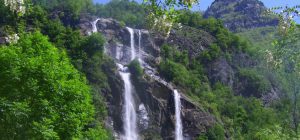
56	82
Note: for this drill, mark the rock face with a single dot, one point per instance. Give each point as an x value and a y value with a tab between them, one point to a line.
221	71
189	39
159	102
238	15
154	101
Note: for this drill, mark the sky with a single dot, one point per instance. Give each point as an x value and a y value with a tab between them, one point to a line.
204	4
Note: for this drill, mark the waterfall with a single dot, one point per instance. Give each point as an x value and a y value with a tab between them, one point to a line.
178	126
130	115
118	50
143	116
140	52
131	42
129	119
94	25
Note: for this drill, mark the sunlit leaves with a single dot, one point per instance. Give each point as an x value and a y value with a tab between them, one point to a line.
164	13
17	6
42	95
287	17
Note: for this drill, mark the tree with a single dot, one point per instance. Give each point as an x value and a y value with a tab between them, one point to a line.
42	96
17	6
162	13
286	56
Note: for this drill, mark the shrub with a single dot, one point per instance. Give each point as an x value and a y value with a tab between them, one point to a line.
135	68
216	133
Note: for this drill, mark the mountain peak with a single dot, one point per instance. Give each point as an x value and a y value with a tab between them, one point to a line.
238	15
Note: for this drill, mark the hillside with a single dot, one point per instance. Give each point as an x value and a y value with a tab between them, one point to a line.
71	69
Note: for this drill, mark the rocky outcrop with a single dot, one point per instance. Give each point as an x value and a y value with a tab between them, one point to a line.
113	96
190	39
159	102
238	15
221	71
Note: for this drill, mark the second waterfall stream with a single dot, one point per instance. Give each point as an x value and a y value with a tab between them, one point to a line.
178	124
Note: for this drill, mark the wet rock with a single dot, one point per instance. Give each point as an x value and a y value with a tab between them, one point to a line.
159	102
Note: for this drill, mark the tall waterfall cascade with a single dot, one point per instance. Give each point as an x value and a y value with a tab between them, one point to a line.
178	125
140	51
94	26
129	116
130	109
131	31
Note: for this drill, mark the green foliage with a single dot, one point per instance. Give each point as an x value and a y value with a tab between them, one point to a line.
93	44
173	71
179	75
163	14
67	10
7	17
43	95
261	38
225	39
216	133
242	117
167	52
212	53
256	85
135	68
272	133
129	12
189	18
97	133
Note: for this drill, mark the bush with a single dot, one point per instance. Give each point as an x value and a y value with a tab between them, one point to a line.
179	75
135	68
93	44
216	133
212	53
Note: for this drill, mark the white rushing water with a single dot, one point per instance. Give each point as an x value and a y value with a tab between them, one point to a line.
140	51
129	119
131	42
178	127
94	25
143	116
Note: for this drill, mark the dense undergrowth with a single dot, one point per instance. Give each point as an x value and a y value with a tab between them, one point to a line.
43	86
